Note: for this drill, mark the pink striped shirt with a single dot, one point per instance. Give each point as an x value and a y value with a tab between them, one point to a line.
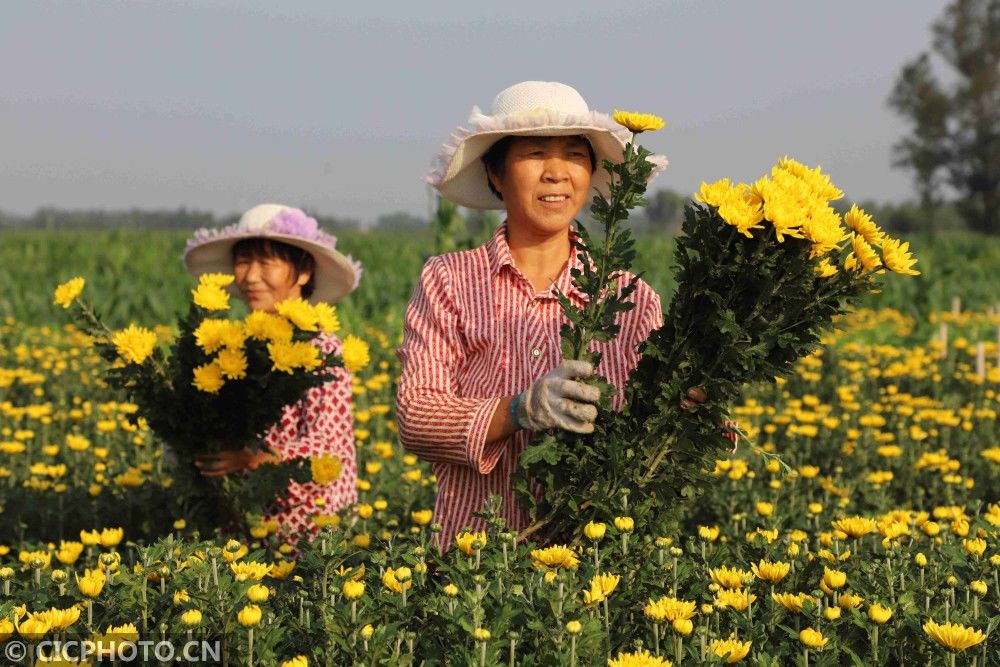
476	331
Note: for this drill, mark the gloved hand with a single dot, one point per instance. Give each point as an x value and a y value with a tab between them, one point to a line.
557	400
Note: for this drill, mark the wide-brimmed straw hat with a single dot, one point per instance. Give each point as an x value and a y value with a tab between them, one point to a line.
211	250
529	108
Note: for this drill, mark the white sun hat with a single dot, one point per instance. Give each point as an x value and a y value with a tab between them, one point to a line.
529	108
211	250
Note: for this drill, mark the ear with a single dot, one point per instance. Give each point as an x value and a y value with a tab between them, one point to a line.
494	181
303	278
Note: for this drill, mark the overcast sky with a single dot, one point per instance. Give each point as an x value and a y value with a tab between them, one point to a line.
340	106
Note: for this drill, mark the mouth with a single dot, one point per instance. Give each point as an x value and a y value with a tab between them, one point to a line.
554	199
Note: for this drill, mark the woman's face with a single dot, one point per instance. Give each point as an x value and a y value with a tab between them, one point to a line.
545	182
264	282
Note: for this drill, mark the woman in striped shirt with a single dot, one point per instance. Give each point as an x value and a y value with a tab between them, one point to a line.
482	366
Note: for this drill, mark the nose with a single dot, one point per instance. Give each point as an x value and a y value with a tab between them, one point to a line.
555	170
253	271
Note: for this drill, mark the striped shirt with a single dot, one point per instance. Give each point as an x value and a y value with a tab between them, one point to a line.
476	331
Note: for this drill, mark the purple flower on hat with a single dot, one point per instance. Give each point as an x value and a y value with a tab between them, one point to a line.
294	222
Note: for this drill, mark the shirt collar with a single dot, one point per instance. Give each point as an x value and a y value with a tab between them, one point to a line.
499	254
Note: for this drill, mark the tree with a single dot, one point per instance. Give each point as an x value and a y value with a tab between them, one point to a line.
956	130
665	211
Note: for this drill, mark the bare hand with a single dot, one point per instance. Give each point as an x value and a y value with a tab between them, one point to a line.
695	397
218	464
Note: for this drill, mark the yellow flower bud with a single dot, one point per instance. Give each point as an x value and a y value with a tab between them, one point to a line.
682	626
594	531
249	616
625	524
191	618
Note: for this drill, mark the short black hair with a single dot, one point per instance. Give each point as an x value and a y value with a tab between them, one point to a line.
495	158
300	260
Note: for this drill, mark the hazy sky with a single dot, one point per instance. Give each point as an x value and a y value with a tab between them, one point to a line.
340	106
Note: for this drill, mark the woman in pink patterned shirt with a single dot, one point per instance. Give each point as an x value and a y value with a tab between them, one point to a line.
276	253
482	366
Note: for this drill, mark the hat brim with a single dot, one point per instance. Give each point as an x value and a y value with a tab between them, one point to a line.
461	174
335	275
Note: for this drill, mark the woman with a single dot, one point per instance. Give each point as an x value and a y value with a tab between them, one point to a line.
482	366
276	253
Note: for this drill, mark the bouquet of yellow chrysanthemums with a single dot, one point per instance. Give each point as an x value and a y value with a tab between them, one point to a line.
222	384
761	270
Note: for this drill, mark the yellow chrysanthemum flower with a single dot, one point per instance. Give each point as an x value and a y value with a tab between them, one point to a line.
286	357
210	334
465	541
59	619
354	354
738	205
325	468
249	570
134	344
262	325
865	253
392	582
732	647
601	586
822	226
855	526
216	279
793	602
897	257
730	577
210	297
232	363
300	313
862	224
668	609
713	194
953	636
326	317
638	122
297	661
814	179
737	600
813	638
66	293
772	572
554	558
208	378
638	659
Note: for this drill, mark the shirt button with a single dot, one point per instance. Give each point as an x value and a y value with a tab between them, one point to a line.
536	352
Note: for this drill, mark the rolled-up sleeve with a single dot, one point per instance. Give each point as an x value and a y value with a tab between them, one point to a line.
436	423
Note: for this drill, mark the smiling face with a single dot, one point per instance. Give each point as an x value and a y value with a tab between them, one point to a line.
545	181
266	279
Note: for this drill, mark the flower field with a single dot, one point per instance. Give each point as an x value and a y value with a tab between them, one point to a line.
859	526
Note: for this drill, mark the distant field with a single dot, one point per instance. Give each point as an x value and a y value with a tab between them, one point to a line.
138	276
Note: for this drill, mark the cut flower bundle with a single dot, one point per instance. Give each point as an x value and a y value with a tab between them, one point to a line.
222	385
761	270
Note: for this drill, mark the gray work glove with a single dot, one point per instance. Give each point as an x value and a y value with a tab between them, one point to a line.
557	400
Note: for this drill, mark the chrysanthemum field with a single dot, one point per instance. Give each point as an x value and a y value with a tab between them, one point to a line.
859	526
